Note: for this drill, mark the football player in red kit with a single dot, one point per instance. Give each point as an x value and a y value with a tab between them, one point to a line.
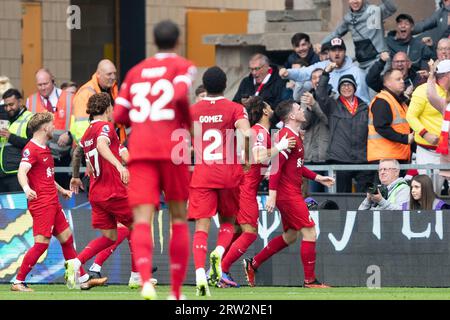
153	100
108	179
285	192
36	175
259	115
217	173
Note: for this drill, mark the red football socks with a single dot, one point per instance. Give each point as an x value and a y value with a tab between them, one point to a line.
94	247
30	259
179	256
308	254
237	249
275	245
199	249
142	244
122	233
69	252
226	232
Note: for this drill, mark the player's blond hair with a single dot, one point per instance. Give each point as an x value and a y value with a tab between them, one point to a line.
39	119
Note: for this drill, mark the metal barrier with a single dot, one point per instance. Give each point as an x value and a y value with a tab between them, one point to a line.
332	168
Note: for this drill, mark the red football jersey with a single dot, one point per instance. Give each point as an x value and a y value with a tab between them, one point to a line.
105	180
260	139
41	176
286	175
216	163
153	100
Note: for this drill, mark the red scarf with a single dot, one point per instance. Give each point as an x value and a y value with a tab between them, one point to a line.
443	139
261	85
350	107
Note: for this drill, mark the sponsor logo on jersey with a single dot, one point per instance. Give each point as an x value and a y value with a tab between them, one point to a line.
299	162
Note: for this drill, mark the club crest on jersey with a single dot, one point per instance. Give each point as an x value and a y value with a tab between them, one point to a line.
105	128
26	153
260	137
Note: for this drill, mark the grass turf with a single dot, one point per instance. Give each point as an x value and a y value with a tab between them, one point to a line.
122	292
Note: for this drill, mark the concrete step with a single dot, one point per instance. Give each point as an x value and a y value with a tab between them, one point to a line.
271	41
294	27
292	15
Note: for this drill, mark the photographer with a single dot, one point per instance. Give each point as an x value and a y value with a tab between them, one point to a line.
393	191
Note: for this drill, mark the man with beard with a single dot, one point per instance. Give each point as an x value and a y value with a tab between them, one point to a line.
14	135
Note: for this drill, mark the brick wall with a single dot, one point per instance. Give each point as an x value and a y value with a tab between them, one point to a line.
10	40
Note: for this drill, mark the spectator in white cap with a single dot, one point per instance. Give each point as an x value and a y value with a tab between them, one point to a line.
365	22
437	86
343	65
347	120
426	121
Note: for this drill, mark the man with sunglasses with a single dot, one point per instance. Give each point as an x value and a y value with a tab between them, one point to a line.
263	81
14	135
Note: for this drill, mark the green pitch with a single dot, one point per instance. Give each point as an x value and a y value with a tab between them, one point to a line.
122	292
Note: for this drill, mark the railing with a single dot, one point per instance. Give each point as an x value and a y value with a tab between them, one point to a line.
332	168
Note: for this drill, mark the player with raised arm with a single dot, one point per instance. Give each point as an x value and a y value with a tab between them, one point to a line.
108	179
260	114
285	190
217	173
154	101
36	175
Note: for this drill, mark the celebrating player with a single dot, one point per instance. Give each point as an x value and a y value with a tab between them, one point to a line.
285	184
259	115
153	99
36	175
108	177
217	173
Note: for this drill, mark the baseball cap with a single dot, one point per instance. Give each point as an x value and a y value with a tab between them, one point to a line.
443	67
336	43
404	16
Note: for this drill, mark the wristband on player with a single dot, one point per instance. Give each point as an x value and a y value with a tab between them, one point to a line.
26	188
282	145
423	132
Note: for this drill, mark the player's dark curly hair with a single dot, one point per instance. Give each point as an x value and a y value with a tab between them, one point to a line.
97	104
283	109
255	106
166	34
214	80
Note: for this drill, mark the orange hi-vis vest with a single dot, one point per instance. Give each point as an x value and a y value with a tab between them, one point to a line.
63	111
81	99
378	147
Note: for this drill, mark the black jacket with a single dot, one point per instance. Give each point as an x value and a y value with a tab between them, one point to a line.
348	134
271	92
374	78
417	51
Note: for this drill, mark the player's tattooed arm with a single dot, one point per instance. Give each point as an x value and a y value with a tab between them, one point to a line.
76	161
75	181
